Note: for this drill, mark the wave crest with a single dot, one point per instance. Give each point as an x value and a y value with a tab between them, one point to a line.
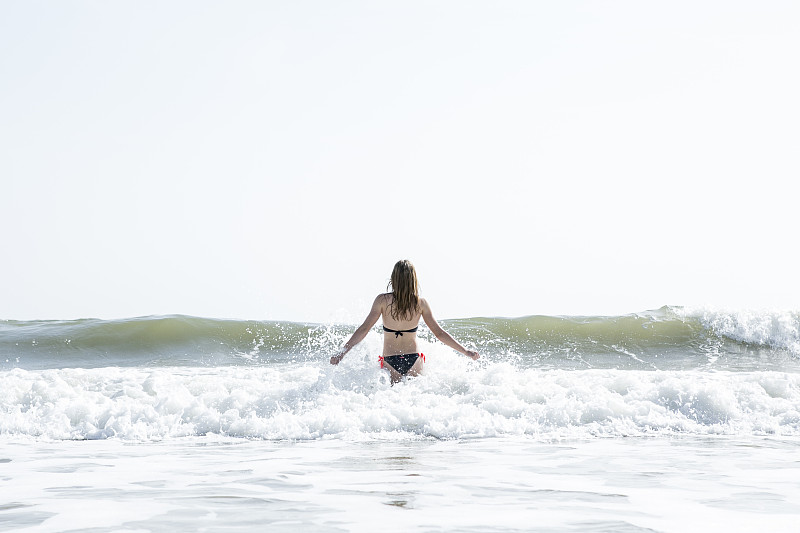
669	338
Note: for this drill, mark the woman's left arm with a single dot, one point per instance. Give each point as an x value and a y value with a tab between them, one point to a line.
442	335
361	332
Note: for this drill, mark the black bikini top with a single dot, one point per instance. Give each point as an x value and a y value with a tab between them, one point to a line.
399	333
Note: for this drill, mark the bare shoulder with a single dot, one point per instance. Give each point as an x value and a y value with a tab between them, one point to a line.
427	315
382	300
424	305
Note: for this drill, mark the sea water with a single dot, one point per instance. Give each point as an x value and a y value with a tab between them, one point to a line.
669	420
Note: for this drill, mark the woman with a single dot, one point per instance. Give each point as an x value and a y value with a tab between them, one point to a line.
401	310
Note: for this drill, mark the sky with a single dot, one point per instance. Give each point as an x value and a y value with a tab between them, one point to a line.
272	160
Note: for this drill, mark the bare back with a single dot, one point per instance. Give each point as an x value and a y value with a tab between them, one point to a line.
394	344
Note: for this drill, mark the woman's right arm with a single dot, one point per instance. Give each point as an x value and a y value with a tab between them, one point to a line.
362	330
441	334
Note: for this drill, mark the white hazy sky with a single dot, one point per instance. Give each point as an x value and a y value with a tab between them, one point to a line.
272	160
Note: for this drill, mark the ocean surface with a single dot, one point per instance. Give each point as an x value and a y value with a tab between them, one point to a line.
674	419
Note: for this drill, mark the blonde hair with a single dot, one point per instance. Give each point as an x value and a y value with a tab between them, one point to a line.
405	290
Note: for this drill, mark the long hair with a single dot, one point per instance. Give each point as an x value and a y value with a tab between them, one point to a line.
405	290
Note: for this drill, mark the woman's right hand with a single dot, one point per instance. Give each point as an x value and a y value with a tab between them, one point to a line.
336	358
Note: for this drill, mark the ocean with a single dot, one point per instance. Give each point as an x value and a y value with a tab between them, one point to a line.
674	419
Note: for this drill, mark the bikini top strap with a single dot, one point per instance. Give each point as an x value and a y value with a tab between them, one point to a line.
399	333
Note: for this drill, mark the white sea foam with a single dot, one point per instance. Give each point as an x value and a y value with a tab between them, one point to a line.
454	399
775	328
